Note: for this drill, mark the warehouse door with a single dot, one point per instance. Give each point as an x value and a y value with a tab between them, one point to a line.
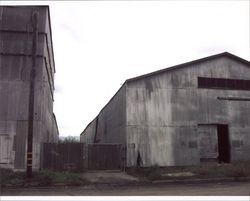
223	143
208	143
4	149
105	157
214	143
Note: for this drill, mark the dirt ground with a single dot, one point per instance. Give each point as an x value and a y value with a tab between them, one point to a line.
216	189
108	177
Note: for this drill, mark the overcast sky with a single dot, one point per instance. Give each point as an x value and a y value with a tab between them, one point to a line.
98	45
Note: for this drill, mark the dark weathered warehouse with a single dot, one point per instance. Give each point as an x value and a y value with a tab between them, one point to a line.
15	65
183	115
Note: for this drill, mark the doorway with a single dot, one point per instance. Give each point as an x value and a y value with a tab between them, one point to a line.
223	143
213	143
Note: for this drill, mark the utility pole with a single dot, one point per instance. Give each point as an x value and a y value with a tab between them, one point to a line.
34	20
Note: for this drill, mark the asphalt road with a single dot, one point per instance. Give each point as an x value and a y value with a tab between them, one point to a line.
216	189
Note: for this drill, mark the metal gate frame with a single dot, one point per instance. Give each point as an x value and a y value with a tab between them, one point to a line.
60	156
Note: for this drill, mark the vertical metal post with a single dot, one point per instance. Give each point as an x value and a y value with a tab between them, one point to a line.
34	20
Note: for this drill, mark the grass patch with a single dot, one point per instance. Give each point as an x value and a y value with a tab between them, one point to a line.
48	177
42	178
236	170
11	178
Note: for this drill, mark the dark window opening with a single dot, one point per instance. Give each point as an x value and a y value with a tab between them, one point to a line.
222	83
211	83
202	82
223	144
231	84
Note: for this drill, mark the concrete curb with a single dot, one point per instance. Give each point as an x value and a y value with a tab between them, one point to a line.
210	180
139	183
183	181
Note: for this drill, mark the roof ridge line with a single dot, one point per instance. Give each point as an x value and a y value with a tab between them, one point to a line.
190	63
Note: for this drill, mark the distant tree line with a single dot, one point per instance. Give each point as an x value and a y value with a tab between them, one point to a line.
69	139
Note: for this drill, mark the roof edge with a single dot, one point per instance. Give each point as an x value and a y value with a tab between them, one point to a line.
175	67
104	106
14	6
51	39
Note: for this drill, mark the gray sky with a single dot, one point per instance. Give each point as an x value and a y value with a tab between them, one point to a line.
100	44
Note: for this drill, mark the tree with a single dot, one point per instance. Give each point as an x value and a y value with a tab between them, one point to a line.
69	139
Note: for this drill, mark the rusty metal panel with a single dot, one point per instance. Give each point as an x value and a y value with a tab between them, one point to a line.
62	156
50	156
105	157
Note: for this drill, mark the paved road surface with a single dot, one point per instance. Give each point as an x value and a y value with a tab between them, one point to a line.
225	189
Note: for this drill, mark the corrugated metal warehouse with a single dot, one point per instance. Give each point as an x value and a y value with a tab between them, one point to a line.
183	115
15	67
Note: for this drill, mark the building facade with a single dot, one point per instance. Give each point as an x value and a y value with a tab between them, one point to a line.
189	114
15	68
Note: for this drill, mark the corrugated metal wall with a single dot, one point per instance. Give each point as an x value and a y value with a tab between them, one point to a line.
15	65
164	111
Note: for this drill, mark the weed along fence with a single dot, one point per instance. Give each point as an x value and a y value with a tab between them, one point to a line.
80	156
63	156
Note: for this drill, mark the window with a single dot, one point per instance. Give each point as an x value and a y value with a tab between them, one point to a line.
222	83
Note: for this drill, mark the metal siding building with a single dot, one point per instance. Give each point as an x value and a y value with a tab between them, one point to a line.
183	115
15	66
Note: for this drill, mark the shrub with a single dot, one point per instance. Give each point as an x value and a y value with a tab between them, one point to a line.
48	177
236	169
74	180
44	177
10	177
69	139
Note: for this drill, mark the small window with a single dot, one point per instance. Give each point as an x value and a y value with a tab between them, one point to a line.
248	84
212	83
238	84
222	83
202	82
231	84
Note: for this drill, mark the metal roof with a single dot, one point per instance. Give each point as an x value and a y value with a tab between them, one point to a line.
209	58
